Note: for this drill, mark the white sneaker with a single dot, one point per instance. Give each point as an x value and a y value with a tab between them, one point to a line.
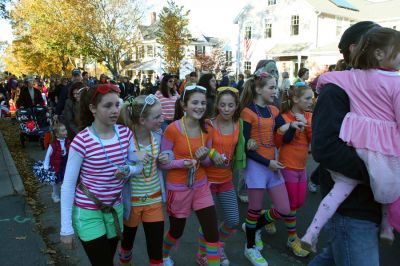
243	198
55	197
224	258
312	187
254	256
258	240
168	261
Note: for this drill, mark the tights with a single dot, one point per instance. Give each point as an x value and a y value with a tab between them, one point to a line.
208	221
101	250
154	233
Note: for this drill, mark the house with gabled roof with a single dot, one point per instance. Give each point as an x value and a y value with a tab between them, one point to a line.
146	60
299	33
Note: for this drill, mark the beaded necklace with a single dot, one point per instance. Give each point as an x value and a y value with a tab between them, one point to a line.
104	150
266	145
188	141
228	157
147	177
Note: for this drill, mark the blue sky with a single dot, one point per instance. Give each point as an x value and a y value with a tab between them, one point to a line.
211	17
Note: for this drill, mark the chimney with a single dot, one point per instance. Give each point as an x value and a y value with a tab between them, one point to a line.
153	18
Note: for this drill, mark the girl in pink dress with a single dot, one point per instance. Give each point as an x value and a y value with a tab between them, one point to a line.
372	127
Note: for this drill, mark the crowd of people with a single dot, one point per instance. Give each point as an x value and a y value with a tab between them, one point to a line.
124	153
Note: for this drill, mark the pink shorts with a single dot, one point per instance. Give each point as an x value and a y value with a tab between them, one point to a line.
221	187
180	204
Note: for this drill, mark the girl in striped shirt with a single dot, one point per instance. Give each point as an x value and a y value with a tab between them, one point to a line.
99	157
167	96
143	195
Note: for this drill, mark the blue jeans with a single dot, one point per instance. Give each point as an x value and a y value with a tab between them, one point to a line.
352	242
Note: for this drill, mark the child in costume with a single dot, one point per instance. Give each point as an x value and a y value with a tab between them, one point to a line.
56	157
227	151
372	127
293	153
263	123
188	189
144	194
101	156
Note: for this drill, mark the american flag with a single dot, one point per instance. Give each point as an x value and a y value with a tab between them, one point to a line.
247	45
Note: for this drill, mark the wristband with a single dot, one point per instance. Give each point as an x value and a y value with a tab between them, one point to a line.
211	153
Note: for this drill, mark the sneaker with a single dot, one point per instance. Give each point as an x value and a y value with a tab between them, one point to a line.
312	187
295	246
224	258
270	228
201	260
168	261
387	236
55	197
258	240
243	198
254	256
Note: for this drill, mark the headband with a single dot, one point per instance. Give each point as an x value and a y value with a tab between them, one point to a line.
104	89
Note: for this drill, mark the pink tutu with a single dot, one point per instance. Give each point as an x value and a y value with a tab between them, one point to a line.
384	173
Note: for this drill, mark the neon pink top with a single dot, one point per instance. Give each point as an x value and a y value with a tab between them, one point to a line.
374	119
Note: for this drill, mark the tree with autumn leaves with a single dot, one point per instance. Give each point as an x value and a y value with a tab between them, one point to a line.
173	35
51	34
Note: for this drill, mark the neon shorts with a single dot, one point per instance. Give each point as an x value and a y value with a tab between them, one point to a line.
147	213
181	203
92	224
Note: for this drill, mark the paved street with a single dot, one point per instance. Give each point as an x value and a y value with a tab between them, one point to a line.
275	250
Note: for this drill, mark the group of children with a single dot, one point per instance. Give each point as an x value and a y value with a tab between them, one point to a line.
120	162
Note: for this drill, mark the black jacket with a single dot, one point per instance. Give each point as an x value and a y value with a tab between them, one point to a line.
332	153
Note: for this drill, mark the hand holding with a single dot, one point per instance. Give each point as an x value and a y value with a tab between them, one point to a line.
201	153
275	165
252	145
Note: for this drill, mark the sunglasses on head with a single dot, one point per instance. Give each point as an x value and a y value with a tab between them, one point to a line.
221	89
193	87
104	89
149	100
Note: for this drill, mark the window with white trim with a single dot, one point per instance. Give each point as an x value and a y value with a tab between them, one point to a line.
247	65
247	32
150	51
339	26
268	29
228	57
271	2
294	25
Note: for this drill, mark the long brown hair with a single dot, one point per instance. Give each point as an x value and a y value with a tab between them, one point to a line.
249	92
385	39
183	100
86	99
293	91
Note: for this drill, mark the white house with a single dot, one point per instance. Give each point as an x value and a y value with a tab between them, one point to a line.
149	52
299	33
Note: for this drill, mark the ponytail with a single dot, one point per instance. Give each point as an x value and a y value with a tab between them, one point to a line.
297	91
248	93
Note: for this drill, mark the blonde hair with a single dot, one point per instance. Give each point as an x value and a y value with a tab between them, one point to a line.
131	111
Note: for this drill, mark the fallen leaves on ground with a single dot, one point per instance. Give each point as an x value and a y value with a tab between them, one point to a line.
10	131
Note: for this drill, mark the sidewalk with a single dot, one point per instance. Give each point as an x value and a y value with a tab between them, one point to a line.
20	243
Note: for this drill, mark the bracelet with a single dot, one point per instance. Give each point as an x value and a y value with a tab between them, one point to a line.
211	153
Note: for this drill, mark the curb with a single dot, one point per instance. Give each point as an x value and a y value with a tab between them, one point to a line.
12	169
